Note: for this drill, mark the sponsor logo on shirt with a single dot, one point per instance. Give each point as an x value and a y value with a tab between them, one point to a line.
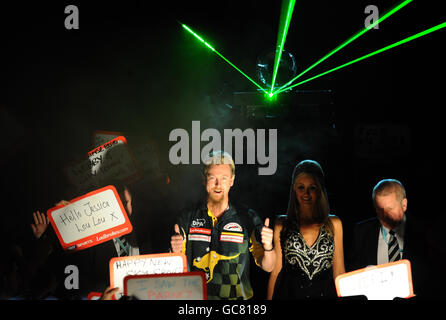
199	234
231	237
199	237
200	230
198	223
233	226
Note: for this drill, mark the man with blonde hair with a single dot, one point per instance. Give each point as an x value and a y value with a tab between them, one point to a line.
217	236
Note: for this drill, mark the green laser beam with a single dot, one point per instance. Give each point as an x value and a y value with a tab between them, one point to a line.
345	43
221	56
405	40
281	36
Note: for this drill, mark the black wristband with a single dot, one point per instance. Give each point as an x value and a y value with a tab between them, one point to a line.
272	248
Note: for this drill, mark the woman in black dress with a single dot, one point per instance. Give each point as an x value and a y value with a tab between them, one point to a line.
307	241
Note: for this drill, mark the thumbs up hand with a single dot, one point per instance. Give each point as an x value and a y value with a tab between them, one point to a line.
176	241
267	236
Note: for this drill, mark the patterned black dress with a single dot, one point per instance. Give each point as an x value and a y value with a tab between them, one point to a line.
307	272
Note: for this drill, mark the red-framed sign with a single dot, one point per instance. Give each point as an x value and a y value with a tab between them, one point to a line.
90	219
159	263
175	286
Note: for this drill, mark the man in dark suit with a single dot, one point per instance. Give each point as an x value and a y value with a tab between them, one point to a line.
391	235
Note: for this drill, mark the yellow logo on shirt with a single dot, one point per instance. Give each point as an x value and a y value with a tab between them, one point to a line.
208	262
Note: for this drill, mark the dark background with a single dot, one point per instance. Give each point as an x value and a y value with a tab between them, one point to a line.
131	67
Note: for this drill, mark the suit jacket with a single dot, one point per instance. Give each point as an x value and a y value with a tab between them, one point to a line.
365	250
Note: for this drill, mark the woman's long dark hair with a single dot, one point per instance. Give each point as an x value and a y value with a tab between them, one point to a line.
321	213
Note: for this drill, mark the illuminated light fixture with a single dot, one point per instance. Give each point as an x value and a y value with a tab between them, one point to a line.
405	40
270	98
345	43
284	24
221	56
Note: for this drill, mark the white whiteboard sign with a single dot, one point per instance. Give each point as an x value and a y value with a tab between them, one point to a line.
382	282
162	263
93	218
180	286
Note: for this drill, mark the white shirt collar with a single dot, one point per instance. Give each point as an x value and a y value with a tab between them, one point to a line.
399	231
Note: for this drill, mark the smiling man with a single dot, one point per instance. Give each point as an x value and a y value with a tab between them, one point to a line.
217	236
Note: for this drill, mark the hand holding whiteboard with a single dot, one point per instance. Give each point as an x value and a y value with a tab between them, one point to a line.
177	286
381	282
93	218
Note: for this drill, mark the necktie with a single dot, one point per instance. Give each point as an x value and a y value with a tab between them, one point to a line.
394	249
124	246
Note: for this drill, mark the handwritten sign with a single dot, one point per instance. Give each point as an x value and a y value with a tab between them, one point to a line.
93	218
161	263
112	160
144	151
381	282
178	286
